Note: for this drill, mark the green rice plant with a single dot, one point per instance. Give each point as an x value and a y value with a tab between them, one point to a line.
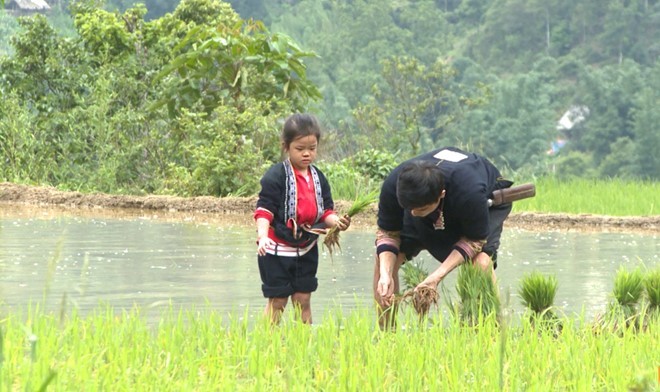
361	202
652	288
628	287
622	312
190	349
412	274
538	292
2	351
477	294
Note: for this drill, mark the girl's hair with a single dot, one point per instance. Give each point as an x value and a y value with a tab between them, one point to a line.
300	125
419	184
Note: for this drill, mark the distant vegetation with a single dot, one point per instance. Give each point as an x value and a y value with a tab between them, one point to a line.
188	98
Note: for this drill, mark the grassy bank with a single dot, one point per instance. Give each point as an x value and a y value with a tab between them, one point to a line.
601	197
202	351
614	197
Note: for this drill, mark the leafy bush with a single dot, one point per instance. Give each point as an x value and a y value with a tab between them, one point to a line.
87	112
223	154
574	165
25	155
346	182
375	164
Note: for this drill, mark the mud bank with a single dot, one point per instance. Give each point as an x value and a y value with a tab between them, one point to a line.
240	209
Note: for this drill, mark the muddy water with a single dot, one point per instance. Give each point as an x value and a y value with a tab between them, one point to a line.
151	262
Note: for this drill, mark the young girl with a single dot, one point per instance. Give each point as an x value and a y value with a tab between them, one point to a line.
295	204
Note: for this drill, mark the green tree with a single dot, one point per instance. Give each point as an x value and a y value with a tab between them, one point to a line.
573	164
251	9
45	69
223	63
24	154
622	20
645	126
471	12
352	38
8	26
609	93
621	161
510	31
414	107
516	125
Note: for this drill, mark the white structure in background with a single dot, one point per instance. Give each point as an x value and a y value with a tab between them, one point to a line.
573	116
28	5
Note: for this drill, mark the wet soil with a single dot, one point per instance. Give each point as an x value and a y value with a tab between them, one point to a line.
48	201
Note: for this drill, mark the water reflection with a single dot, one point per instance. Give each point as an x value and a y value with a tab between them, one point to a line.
154	262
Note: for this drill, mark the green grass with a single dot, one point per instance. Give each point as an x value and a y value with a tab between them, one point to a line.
203	351
601	197
613	197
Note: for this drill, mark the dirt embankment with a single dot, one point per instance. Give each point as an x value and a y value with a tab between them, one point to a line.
241	208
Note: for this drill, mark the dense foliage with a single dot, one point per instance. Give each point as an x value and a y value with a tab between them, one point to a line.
516	66
189	100
188	103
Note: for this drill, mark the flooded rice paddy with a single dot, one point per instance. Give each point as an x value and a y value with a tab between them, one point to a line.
154	263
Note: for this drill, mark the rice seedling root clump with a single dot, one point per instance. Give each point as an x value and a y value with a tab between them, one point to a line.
422	299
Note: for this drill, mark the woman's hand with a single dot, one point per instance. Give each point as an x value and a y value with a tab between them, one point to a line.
385	290
429	282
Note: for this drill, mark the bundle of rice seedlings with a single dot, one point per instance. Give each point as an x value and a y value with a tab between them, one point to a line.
413	274
331	240
538	294
622	312
477	294
652	287
424	297
628	289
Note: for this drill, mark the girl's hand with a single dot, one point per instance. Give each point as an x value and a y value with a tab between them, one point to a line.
263	243
343	223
